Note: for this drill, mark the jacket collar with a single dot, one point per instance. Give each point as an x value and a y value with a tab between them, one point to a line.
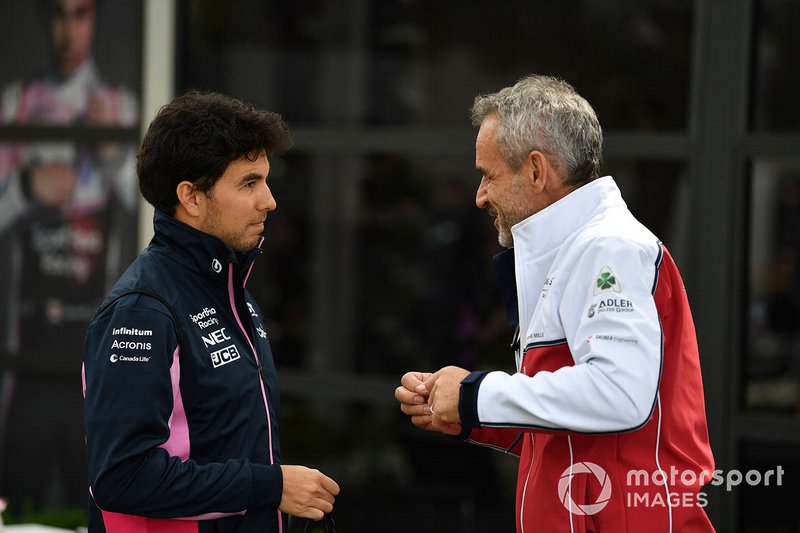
197	250
547	230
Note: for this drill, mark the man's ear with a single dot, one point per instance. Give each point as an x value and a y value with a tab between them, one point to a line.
538	170
189	200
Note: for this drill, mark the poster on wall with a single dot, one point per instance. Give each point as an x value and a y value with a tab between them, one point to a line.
69	118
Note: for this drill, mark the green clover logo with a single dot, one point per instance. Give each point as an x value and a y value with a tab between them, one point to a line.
606	281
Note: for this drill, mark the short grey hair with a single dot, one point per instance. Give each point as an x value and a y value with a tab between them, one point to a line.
546	114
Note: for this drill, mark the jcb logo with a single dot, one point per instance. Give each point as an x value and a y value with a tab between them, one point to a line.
224	356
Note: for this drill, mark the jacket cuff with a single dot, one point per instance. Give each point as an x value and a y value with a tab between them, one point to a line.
267	486
468	400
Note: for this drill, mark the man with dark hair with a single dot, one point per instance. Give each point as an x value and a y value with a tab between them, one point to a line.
181	394
606	409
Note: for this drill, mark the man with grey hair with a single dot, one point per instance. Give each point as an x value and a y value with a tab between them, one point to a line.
608	376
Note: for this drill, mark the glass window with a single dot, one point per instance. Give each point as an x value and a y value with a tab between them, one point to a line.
777	66
423	295
768	487
282	276
394	63
772	356
657	193
427	295
389	468
423	291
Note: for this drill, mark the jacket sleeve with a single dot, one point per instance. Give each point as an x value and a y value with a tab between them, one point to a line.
507	440
129	406
613	334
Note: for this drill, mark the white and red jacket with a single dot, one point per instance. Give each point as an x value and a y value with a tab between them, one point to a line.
607	402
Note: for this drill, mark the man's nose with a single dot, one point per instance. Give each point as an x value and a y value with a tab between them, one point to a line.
482	196
268	200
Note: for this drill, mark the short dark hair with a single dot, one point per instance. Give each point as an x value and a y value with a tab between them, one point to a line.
196	136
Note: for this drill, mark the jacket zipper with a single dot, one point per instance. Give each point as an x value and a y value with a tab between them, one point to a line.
232	299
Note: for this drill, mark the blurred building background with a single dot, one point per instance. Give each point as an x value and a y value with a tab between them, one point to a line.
377	260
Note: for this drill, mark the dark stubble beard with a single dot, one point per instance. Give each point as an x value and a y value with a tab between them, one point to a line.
238	243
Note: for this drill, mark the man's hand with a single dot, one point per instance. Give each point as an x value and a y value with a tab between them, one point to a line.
413	397
444	387
307	493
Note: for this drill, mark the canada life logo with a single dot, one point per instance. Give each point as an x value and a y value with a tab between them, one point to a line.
582	509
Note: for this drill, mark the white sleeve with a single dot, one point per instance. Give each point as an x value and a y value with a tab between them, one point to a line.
612	330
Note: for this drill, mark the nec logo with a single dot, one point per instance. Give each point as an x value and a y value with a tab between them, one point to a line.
224	356
215	337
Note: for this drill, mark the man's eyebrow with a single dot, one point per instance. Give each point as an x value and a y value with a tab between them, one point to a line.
252	176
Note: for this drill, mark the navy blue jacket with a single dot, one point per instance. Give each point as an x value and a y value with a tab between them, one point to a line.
181	394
